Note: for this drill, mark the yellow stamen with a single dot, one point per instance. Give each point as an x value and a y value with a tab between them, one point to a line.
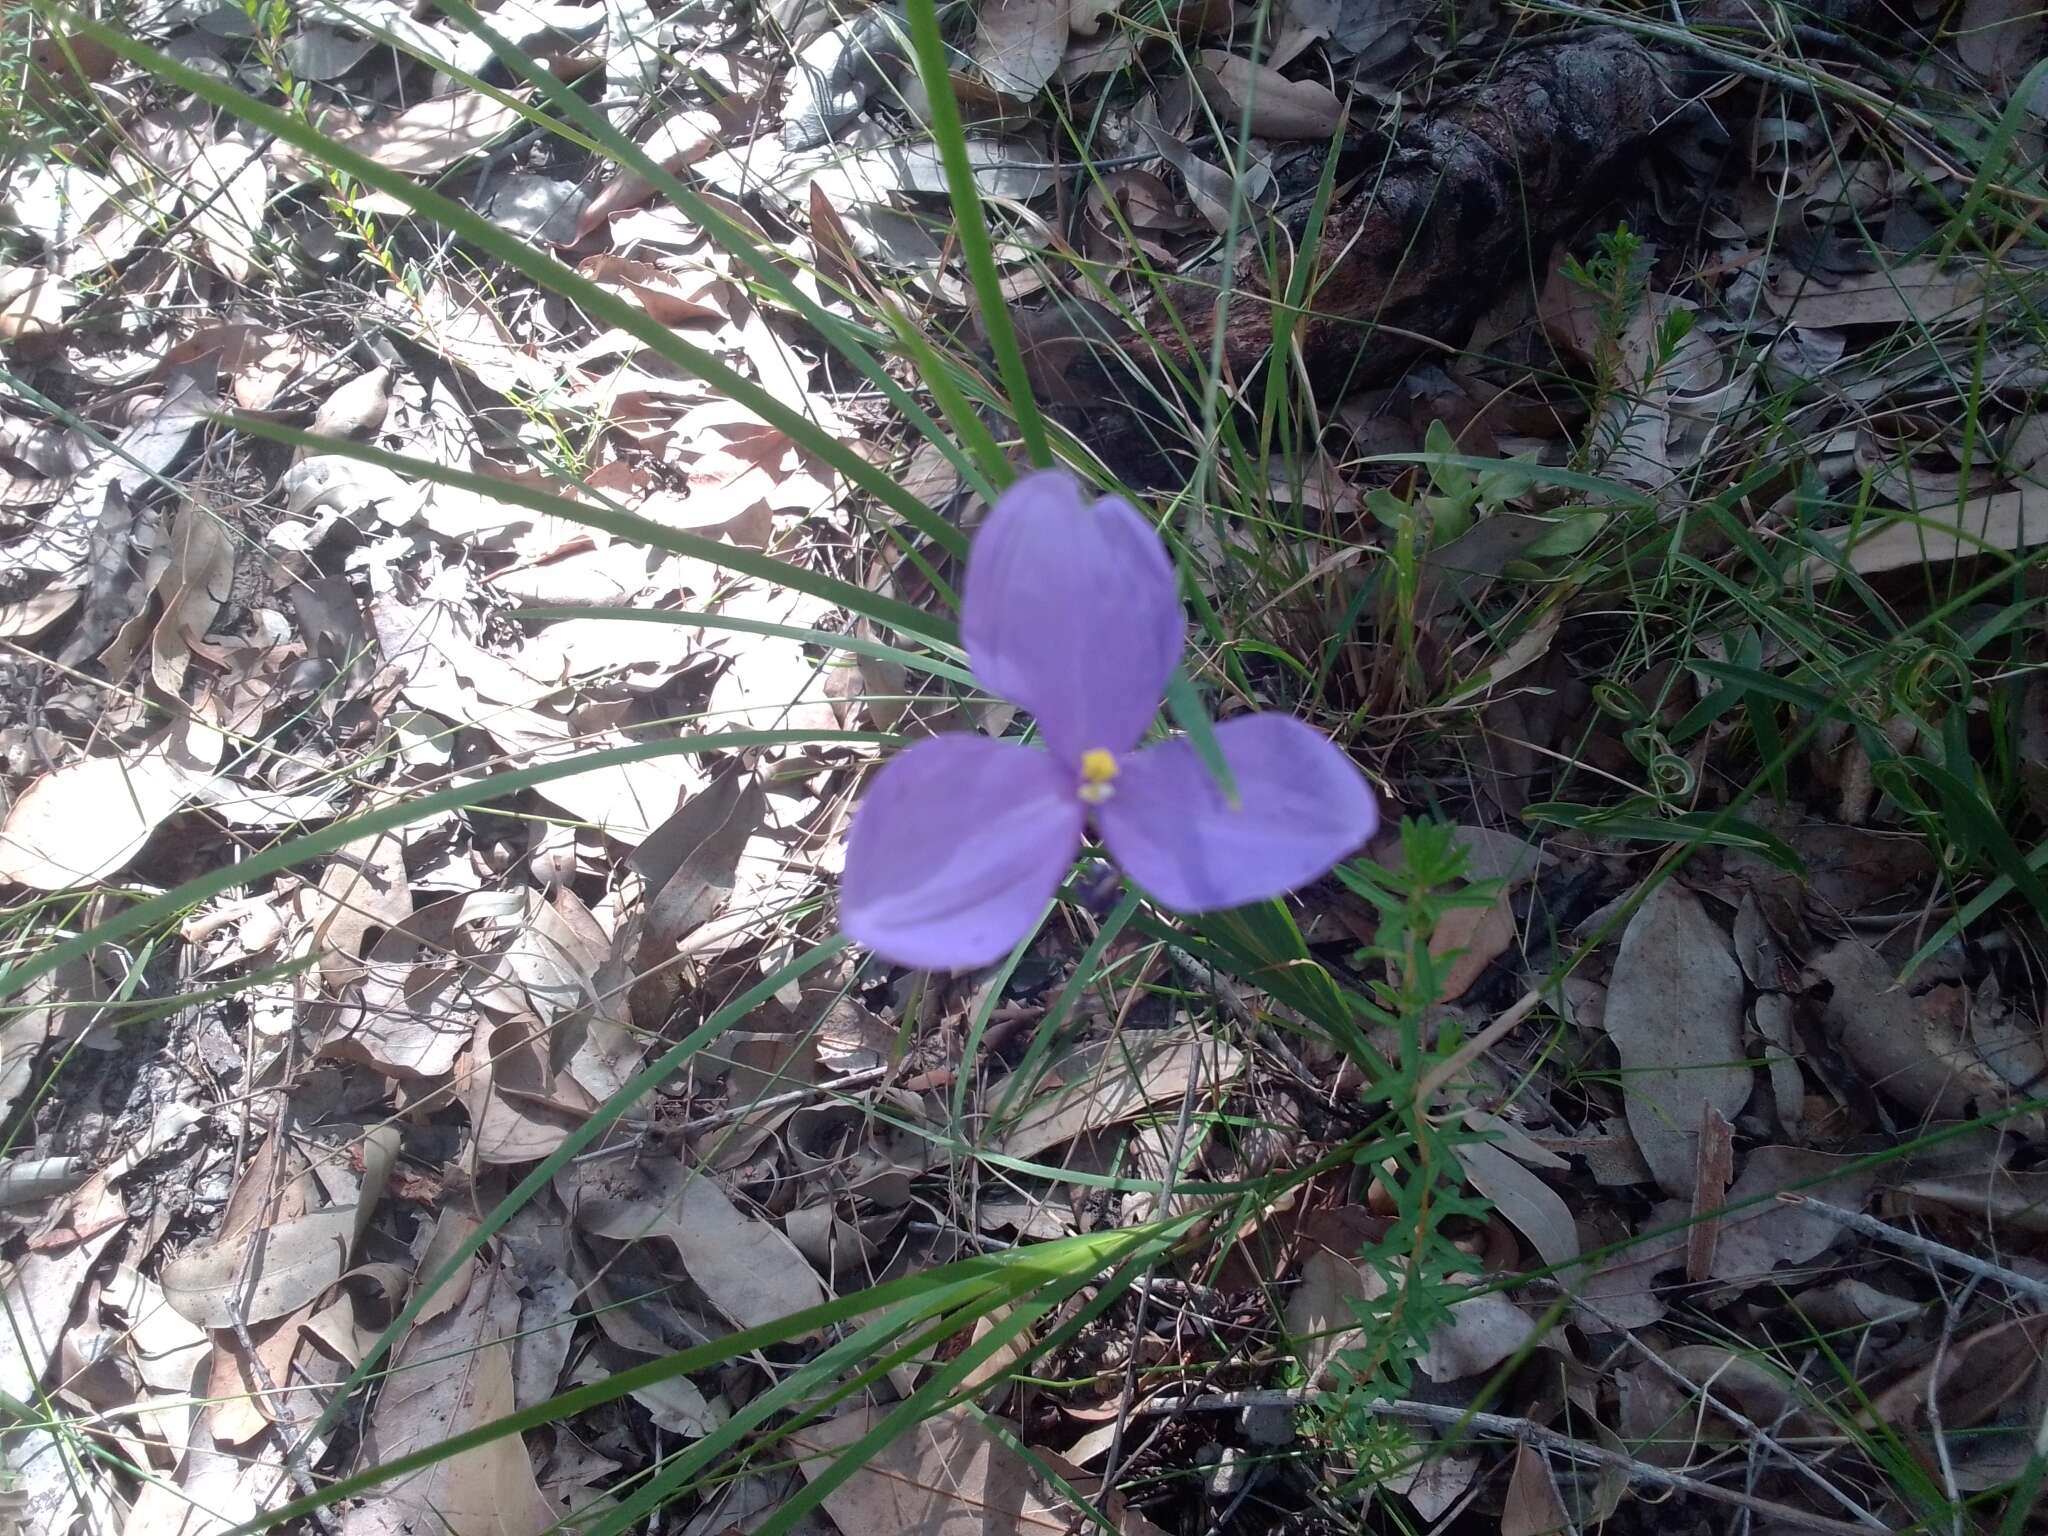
1097	769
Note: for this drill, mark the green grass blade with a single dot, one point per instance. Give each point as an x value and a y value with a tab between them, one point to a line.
916	661
971	225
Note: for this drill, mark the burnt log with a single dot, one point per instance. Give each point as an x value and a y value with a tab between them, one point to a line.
1471	194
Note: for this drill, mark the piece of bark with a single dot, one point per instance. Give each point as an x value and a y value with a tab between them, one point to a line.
1472	193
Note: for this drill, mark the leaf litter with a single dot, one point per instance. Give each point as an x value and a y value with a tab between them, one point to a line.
216	642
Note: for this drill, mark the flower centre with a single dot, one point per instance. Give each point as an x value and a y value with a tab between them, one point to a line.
1097	769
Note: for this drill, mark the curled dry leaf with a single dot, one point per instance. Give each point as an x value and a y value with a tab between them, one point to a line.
195	583
1280	108
88	819
1675	1014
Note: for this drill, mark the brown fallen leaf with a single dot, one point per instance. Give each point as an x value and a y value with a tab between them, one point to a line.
230	185
1974	1378
196	582
286	1266
1477	936
1913	1049
38	1292
1533	1506
2004	522
1756	1237
1924	292
1675	1014
450	1375
425	138
746	1267
32	305
1280	108
1107	1083
88	819
1710	1188
2001	39
948	1476
364	889
673	298
1019	43
1528	1204
683	136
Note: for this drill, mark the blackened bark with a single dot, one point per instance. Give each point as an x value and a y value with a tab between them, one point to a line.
1473	194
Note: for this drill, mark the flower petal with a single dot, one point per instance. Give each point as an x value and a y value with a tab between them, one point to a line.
955	850
1304	806
1070	610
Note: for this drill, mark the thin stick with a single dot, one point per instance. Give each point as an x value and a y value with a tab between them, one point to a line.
1925	1247
1756	1432
1470	1051
1503	1427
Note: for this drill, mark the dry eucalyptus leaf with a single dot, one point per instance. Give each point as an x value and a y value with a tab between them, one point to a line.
949	1476
1280	108
363	889
286	1266
451	1375
88	819
683	136
229	187
1675	1014
432	135
2001	39
1913	1049
39	1291
747	1268
1102	1085
1756	1237
2002	522
1002	168
1924	292
1524	1201
1019	43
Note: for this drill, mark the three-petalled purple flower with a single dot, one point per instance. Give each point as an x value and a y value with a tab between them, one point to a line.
1070	610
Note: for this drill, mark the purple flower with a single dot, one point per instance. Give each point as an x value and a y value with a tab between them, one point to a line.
1070	611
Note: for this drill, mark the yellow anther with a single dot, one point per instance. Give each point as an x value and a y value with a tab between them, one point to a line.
1097	769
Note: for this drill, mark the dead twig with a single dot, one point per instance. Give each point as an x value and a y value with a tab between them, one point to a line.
1925	1247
